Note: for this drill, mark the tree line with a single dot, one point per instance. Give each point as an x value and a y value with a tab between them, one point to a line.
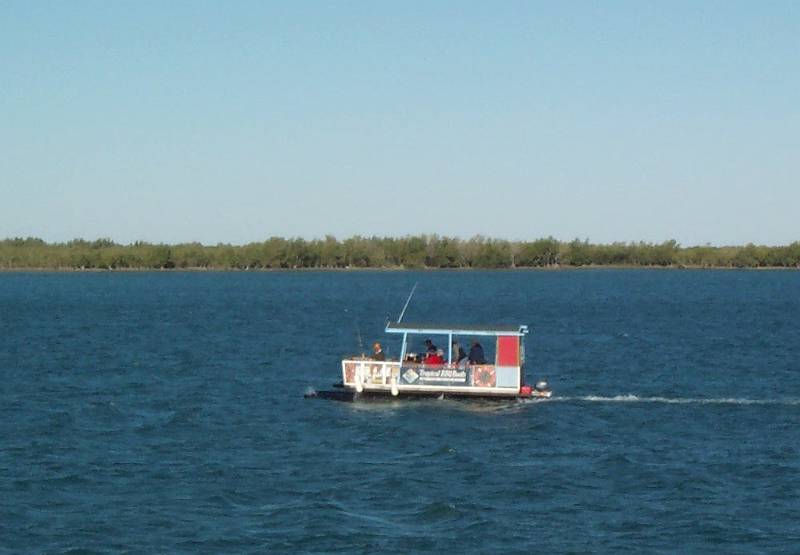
419	251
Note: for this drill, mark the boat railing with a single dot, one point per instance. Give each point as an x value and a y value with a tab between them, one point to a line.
370	371
451	366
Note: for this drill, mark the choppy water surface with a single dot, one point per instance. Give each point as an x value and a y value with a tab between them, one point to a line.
164	412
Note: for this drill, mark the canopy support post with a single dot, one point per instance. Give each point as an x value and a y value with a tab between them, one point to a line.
403	349
450	348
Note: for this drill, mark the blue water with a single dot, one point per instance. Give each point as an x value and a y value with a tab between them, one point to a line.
164	412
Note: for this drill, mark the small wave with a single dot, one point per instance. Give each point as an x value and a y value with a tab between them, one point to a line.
677	400
438	510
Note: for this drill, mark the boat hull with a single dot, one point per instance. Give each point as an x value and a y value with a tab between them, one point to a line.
350	395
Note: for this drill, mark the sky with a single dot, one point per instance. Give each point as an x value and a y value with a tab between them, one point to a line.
236	121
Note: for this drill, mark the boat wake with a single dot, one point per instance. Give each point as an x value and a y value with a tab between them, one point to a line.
677	400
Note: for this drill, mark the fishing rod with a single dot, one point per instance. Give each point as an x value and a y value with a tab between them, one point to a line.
358	334
360	341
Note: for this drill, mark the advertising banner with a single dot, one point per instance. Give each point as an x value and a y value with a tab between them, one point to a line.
434	376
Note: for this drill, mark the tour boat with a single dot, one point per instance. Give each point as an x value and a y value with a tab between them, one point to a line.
434	375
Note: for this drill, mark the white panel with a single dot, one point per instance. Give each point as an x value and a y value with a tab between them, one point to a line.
507	376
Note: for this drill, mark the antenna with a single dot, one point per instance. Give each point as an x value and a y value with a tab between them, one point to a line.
400	318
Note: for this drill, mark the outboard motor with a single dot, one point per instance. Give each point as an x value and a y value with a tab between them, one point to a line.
541	385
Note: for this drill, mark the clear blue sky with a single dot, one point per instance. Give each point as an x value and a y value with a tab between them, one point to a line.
235	121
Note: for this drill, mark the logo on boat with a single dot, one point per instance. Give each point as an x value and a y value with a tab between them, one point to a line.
410	376
484	376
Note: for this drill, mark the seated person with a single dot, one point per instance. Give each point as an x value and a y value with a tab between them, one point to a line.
430	347
434	357
476	355
458	353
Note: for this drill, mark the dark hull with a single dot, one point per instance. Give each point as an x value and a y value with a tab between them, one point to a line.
348	396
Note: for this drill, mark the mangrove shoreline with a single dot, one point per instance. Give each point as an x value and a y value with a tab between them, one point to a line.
385	253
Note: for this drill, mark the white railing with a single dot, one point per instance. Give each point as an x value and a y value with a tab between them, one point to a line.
370	372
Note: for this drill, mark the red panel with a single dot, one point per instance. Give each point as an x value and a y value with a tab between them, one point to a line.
508	350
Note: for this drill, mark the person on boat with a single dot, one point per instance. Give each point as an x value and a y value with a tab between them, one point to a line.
434	357
459	355
476	355
430	347
377	352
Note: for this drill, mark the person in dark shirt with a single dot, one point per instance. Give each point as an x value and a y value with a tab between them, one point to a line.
377	352
430	347
476	355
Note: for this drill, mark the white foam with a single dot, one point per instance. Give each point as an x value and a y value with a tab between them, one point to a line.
679	400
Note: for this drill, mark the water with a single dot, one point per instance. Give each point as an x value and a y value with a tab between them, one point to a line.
164	412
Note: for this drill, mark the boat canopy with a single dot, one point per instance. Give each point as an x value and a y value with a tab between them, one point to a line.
455	329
